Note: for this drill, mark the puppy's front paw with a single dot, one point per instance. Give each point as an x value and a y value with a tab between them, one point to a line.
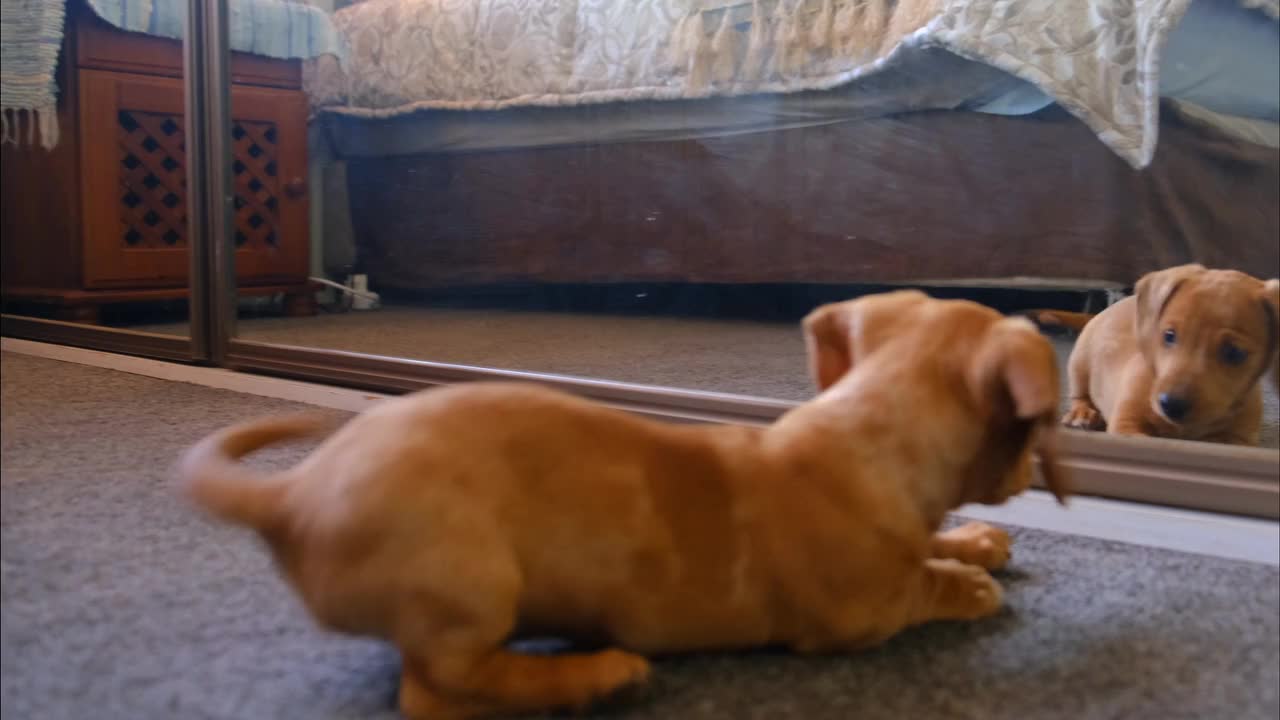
963	591
1084	416
975	543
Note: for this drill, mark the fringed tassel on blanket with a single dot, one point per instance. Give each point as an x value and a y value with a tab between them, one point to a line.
41	122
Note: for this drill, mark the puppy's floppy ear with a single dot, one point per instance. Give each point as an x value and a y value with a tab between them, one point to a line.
1016	362
828	340
1051	471
1271	305
1153	292
836	333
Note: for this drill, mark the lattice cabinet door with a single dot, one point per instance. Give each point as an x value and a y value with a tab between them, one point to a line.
269	174
134	184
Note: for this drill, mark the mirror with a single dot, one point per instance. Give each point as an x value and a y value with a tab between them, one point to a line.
661	195
94	173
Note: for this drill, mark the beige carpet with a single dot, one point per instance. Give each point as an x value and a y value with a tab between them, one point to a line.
733	356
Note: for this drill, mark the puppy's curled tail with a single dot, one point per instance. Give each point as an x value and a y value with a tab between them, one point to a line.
1059	318
211	476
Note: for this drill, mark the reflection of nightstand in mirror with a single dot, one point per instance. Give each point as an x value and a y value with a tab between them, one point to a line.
102	217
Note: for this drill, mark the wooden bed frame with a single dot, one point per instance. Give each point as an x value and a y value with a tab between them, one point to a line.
931	196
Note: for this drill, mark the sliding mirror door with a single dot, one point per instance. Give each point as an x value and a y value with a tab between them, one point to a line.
647	206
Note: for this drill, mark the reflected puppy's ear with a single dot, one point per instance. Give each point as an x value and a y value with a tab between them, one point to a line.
1152	293
1271	307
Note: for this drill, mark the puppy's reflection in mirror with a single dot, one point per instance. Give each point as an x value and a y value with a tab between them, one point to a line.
1185	357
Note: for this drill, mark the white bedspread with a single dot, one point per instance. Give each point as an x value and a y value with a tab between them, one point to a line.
1097	58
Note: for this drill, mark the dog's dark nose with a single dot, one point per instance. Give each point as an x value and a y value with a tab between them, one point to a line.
1174	407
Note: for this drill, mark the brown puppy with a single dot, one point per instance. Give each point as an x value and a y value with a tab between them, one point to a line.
454	520
1182	358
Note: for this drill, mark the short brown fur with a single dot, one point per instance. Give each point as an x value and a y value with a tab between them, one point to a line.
454	520
1168	340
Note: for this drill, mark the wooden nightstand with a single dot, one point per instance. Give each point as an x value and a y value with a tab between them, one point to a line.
102	217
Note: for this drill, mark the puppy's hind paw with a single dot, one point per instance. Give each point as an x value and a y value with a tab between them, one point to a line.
975	543
988	596
1083	416
613	673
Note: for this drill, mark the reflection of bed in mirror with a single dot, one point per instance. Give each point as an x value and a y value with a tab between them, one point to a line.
927	168
931	168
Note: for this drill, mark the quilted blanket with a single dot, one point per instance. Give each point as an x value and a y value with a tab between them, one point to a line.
1099	59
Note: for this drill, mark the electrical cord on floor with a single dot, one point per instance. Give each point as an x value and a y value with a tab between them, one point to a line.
348	295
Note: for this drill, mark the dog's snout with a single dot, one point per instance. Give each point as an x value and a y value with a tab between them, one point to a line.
1174	407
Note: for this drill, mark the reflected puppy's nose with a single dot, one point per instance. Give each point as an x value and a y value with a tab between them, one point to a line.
1174	407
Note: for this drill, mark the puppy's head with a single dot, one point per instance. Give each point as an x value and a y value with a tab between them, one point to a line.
994	378
1209	337
839	334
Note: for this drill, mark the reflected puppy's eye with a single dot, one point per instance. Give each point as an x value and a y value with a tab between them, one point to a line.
1231	354
1170	337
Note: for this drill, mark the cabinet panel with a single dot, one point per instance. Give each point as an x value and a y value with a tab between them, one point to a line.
133	160
269	180
135	185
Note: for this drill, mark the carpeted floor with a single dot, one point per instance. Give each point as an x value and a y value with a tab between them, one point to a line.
118	602
764	359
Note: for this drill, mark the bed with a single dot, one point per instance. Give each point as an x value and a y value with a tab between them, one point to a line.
937	142
813	141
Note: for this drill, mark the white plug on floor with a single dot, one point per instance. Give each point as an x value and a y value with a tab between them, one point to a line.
357	286
362	298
